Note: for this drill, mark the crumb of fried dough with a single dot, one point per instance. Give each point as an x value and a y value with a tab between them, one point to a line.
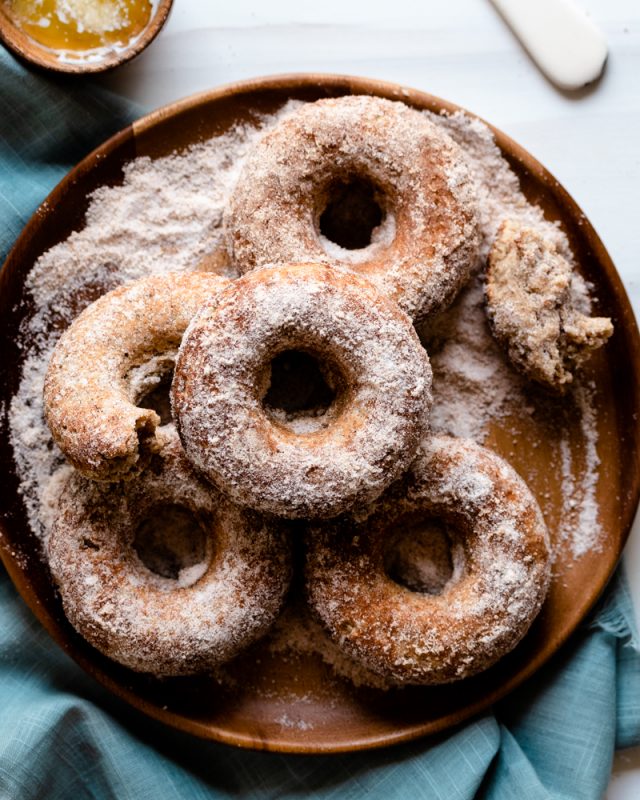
537	308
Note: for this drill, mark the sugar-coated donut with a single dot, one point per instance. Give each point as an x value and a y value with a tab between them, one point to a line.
427	242
150	623
109	357
500	569
537	311
322	462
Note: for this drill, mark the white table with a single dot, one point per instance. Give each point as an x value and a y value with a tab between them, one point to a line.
460	50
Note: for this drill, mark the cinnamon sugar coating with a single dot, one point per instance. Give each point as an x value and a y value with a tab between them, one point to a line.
501	569
324	461
427	243
158	624
113	353
534	309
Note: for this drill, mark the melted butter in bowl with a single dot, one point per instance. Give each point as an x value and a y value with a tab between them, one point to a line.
80	35
80	26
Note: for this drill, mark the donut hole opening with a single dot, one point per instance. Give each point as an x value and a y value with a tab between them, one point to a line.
420	556
172	542
157	398
303	391
150	384
353	212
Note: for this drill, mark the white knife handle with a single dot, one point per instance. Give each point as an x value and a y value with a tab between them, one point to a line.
560	38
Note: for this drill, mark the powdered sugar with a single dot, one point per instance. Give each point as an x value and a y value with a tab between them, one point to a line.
530	304
472	382
497	185
296	633
116	566
418	173
167	216
95	375
374	425
480	613
475	388
580	528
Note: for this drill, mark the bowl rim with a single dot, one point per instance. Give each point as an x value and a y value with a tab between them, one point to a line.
28	49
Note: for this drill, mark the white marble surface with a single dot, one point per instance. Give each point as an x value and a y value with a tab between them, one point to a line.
458	50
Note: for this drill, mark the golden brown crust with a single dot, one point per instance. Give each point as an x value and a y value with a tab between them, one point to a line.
106	359
535	310
501	569
346	455
157	624
428	242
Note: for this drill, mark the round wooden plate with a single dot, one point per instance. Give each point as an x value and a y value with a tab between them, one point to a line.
297	706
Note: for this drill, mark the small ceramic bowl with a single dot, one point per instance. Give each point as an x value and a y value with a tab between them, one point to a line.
27	48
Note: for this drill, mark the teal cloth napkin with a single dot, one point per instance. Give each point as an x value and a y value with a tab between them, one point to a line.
63	736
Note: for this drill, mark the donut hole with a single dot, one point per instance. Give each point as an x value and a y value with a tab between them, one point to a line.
353	211
420	556
157	398
303	391
151	385
173	543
